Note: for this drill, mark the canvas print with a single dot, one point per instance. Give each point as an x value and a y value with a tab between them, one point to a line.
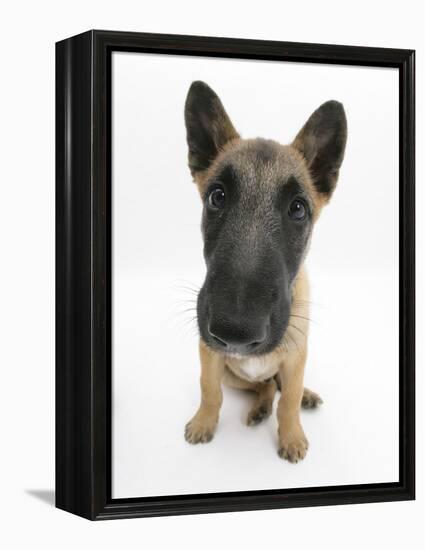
254	275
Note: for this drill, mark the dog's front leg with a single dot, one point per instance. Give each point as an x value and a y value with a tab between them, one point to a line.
202	426
293	443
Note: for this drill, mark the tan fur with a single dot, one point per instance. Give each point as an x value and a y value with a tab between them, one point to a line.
202	426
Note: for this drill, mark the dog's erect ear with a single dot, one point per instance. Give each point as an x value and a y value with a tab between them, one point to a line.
322	143
207	125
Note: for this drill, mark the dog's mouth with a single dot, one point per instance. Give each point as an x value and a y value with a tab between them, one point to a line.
238	341
242	351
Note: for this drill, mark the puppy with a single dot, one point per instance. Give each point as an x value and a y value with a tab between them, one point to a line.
260	201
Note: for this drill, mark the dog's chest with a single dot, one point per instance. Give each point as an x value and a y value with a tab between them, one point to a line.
254	369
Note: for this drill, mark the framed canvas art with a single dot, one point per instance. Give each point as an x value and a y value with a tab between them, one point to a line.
235	274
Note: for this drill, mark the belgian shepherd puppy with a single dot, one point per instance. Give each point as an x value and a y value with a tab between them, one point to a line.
260	201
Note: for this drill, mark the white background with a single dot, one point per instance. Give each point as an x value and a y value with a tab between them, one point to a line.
29	31
157	255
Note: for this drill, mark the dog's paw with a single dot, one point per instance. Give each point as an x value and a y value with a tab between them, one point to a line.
293	447
199	430
259	413
310	400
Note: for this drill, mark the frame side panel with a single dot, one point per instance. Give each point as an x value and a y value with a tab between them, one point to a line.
73	276
407	274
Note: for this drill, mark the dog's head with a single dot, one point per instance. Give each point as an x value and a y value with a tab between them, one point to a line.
260	201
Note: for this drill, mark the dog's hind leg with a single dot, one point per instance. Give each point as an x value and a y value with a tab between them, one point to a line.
310	400
265	392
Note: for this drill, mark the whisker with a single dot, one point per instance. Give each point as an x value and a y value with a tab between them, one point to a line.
282	346
293	339
297	328
191	320
301	317
187	289
302	302
187	310
299	304
191	325
185	284
186	301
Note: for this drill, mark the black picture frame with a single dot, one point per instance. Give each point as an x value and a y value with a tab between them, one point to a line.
83	274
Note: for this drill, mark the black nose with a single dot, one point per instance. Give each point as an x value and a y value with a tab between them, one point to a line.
236	337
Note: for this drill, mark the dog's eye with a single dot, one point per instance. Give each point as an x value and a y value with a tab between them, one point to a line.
297	210
216	198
